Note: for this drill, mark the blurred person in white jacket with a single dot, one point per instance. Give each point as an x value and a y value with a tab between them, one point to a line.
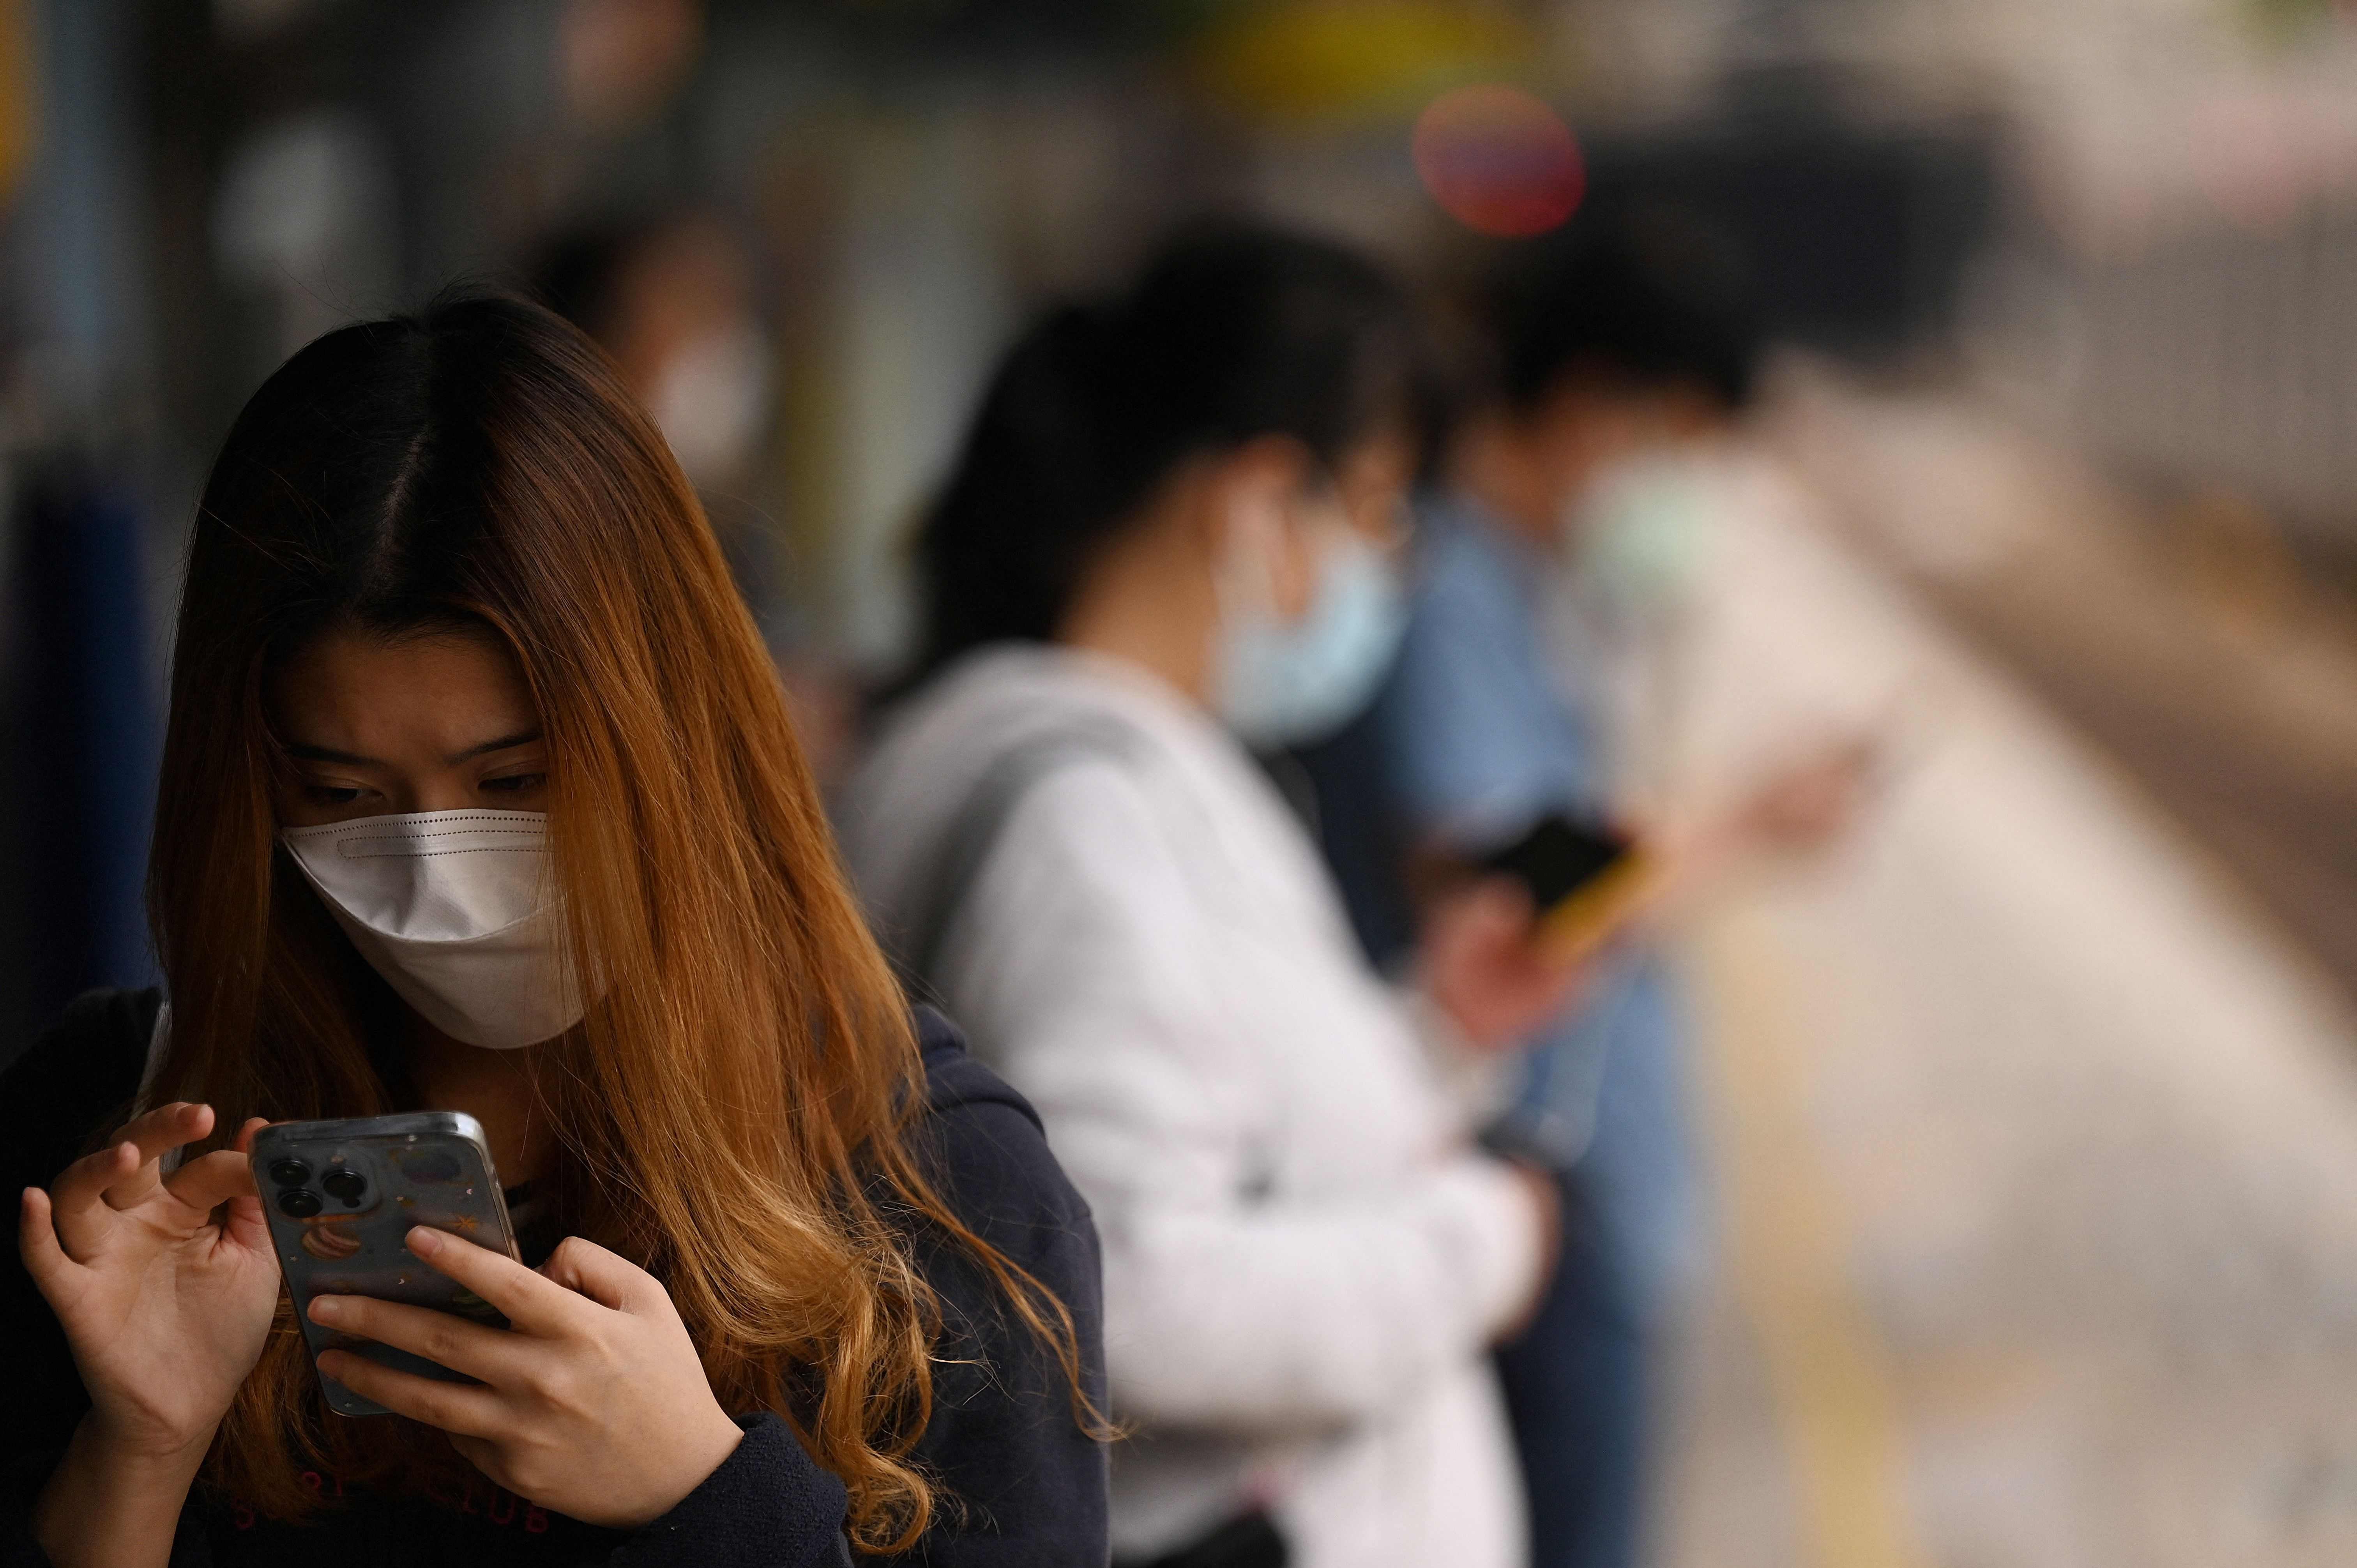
1169	539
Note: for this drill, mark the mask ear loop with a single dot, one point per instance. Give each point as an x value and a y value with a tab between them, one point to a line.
1244	580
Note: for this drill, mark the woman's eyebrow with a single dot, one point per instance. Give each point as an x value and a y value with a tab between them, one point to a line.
324	754
520	737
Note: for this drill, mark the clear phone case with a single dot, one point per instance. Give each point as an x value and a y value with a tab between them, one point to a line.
340	1197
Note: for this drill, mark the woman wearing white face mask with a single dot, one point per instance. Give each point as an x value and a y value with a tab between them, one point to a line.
1171	530
479	795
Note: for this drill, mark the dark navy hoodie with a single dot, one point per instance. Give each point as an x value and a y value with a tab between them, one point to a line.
1025	1486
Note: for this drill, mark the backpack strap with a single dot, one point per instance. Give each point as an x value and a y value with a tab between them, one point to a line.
964	847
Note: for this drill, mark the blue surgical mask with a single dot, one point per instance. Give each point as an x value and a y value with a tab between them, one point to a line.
1291	683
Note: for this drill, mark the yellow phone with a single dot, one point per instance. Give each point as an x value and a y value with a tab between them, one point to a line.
1584	878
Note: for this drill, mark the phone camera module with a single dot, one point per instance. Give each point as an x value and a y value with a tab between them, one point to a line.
298	1203
346	1185
289	1173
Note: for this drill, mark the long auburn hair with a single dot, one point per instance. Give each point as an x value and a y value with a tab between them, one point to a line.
735	1111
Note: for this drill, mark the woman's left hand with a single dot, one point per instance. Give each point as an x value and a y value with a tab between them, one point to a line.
594	1404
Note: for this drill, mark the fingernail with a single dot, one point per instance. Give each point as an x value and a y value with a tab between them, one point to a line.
423	1238
325	1308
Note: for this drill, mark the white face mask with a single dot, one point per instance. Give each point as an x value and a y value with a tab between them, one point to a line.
1643	534
456	910
710	402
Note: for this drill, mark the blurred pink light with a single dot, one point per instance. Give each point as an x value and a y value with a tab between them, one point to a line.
1499	161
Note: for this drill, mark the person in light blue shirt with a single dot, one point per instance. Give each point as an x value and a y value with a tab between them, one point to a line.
1619	338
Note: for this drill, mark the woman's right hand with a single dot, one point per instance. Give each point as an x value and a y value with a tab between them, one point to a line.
166	1309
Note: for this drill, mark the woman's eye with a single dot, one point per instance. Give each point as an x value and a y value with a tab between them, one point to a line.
516	783
330	794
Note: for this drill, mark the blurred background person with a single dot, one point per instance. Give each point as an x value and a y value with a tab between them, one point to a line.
1606	350
1169	535
672	296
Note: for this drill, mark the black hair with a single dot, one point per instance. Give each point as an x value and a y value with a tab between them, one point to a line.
1234	331
1645	293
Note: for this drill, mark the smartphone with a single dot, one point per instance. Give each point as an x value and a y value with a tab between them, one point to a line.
1584	879
340	1197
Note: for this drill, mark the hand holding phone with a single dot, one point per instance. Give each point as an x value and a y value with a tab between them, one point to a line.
593	1403
341	1199
1477	963
1585	881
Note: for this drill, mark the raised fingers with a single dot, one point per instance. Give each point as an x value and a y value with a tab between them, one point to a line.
452	1407
155	1135
486	1354
206	1184
37	1239
77	1200
530	1302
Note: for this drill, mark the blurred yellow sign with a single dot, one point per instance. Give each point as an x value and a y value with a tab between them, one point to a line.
1304	60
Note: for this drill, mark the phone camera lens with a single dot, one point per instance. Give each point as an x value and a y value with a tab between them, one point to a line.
347	1185
289	1173
298	1202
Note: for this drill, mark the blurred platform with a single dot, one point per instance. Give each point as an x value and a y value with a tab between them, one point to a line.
2033	1115
2182	636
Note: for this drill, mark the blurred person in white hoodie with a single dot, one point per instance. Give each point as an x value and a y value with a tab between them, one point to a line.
1169	539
